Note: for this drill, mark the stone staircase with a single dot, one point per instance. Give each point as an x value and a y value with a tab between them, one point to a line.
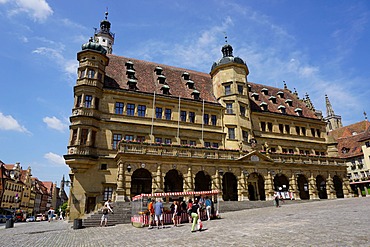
122	211
121	215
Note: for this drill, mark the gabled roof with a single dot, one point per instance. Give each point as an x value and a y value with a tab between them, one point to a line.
147	79
280	101
255	156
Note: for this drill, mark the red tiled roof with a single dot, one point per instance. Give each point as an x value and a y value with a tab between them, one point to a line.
273	107
350	129
147	78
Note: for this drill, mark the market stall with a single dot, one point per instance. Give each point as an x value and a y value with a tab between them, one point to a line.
140	213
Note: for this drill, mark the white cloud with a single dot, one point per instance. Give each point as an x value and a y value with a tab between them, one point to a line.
38	10
54	158
67	65
9	123
55	123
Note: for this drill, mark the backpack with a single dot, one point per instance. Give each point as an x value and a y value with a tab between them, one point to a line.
105	210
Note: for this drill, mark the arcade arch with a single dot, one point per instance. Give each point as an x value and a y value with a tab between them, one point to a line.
229	187
202	182
256	187
338	186
321	187
141	182
173	181
303	187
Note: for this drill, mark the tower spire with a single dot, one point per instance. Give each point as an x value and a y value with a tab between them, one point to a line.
332	121
329	108
104	36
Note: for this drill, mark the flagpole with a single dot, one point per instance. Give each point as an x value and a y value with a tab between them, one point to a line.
153	112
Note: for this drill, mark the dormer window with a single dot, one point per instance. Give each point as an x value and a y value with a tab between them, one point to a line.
280	94
130	73
129	65
345	150
265	91
161	79
298	111
186	76
289	102
165	89
264	106
132	84
255	96
273	99
158	70
195	94
190	84
282	109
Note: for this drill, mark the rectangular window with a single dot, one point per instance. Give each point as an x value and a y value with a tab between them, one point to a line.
287	129
130	109
140	138
206	119
240	89
84	133
298	130
284	150
82	73
307	152
158	140
74	137
269	126
158	112
318	133
313	132
231	133
184	142
304	131
207	144
100	76
119	108
97	101
263	126
242	111
229	108
129	137
291	151
141	109
88	101
215	145
90	73
183	116
116	139
78	101
168	114
192	143
103	167
245	135
227	89
281	128
108	192
93	137
168	141
191	117
214	120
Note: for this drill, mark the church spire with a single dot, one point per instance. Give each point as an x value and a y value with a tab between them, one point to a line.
332	121
329	108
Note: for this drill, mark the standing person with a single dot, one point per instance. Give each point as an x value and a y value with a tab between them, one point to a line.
51	214
182	209
151	212
158	210
106	209
208	207
195	214
190	205
174	214
277	200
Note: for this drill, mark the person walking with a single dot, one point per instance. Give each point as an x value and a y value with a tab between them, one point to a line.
51	214
195	214
175	211
277	200
151	212
190	205
158	210
208	207
106	209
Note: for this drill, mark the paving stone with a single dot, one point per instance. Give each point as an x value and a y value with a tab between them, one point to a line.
340	222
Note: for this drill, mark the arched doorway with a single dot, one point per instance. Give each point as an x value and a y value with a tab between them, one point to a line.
281	183
338	186
303	187
202	182
229	187
141	182
256	187
321	187
173	181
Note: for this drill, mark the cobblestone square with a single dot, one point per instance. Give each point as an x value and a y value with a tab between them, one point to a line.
340	222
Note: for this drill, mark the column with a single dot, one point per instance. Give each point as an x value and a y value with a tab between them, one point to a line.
242	187
120	183
293	186
127	183
159	179
188	180
346	188
312	187
330	187
269	191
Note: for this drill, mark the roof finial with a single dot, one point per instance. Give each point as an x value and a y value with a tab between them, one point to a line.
106	14
225	37
365	115
285	86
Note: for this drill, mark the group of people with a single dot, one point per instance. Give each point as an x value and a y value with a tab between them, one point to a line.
193	209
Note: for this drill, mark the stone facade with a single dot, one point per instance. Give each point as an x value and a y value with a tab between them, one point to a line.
141	127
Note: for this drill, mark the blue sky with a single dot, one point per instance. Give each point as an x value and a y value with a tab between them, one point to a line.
318	47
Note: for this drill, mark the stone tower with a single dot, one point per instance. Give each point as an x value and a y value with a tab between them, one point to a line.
332	121
104	36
